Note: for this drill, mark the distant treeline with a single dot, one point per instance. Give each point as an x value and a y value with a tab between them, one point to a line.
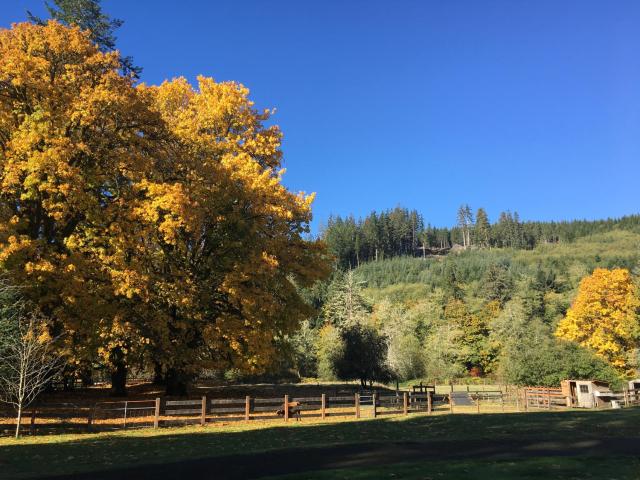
403	232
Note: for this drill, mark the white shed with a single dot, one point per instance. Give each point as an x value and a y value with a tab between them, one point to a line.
588	393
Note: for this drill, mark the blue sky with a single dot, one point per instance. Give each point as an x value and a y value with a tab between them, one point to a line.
531	106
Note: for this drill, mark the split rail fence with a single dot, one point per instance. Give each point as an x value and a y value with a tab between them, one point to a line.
155	413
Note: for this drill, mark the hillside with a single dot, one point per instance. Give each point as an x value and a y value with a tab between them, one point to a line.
482	312
570	261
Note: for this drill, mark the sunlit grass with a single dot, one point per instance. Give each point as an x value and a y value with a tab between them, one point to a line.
33	456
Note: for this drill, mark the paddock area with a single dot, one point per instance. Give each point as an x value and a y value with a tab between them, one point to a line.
91	410
557	444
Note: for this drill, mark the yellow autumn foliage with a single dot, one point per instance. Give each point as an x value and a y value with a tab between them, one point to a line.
147	220
604	316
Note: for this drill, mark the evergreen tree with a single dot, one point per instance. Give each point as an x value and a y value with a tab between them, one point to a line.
482	229
497	284
363	356
345	305
88	15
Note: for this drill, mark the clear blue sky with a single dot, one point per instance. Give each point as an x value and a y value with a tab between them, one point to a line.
529	106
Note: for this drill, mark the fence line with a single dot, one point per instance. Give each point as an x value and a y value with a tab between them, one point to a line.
154	413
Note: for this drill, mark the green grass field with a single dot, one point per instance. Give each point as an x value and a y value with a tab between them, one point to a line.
31	457
549	468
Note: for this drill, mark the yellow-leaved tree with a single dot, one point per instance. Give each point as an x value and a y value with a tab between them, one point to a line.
76	136
150	223
225	248
604	317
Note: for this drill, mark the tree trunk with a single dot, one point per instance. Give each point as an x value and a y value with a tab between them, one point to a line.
176	382
86	376
18	421
118	374
119	381
158	375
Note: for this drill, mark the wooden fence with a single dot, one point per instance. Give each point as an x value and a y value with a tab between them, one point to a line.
158	412
544	398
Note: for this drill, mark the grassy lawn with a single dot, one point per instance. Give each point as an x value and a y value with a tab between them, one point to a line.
548	468
57	454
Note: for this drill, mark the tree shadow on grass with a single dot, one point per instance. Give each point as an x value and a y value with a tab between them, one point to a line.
234	452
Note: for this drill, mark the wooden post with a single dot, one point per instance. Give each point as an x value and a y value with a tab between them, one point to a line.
502	401
203	411
126	403
405	403
526	400
450	404
247	408
286	408
357	400
517	400
626	397
89	417
375	409
429	402
156	415
323	406
32	427
548	399
478	402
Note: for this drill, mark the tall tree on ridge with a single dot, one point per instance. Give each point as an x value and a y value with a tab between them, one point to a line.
483	228
88	15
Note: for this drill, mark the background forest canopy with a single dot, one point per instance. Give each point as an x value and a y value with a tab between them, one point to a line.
524	302
403	232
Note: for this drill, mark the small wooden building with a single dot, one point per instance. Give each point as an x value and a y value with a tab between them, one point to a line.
587	393
634	384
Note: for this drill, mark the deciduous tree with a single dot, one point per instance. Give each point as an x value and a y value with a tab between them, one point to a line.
604	316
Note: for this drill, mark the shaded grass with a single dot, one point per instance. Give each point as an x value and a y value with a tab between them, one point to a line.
547	468
58	454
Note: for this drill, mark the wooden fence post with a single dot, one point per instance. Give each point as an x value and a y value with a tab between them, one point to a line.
502	401
203	411
90	417
478	401
450	404
323	406
357	403
548	399
32	427
247	408
517	400
526	400
156	415
286	408
374	400
405	403
429	402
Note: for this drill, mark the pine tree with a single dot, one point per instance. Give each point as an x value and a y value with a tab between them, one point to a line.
482	229
88	15
346	304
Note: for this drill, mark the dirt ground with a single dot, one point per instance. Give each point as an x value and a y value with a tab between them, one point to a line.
292	461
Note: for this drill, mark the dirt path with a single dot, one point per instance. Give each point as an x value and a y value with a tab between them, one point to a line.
300	460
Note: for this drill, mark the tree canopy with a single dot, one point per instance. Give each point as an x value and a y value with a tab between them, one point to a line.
148	222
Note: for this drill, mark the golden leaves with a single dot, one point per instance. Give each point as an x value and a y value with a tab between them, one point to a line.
604	316
160	205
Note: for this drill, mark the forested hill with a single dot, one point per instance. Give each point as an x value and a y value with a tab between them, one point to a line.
403	232
496	312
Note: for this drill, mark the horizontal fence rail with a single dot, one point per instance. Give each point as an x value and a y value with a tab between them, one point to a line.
154	413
